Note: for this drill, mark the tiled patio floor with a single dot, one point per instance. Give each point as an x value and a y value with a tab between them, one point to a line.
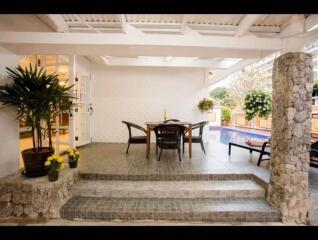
110	158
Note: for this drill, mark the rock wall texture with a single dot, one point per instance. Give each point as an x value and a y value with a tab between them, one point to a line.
291	136
35	197
313	210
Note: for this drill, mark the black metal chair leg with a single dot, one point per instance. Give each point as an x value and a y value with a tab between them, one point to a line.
160	154
156	148
202	147
259	159
179	155
127	148
230	145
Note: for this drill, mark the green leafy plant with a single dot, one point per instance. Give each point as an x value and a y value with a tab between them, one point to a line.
221	95
54	163
205	105
226	114
257	103
38	97
315	88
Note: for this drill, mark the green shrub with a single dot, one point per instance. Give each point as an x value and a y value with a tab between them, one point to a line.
226	114
257	102
315	88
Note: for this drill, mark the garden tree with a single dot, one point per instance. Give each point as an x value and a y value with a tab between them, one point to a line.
221	95
250	78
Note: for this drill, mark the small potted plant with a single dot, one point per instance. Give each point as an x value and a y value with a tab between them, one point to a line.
226	116
54	164
73	157
205	105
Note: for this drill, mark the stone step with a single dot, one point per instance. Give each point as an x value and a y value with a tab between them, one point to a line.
169	209
168	189
167	177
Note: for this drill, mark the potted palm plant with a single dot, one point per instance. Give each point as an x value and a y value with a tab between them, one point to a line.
38	98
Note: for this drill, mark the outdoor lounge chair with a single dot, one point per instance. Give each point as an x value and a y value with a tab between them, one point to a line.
135	139
264	150
314	155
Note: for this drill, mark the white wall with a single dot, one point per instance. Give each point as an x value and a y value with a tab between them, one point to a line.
82	65
140	95
9	127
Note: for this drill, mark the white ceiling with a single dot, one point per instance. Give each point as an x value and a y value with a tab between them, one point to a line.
171	40
207	24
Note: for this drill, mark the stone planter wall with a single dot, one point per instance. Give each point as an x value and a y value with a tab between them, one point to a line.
35	197
291	136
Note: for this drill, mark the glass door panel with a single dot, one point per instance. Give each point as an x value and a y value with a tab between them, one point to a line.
60	125
83	116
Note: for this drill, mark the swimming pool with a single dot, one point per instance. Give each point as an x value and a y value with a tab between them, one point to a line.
226	135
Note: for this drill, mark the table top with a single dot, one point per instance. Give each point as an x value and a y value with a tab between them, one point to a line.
162	122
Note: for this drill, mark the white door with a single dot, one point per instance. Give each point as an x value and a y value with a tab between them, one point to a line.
83	111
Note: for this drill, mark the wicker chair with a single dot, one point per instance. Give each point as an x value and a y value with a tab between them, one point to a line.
168	136
135	139
196	139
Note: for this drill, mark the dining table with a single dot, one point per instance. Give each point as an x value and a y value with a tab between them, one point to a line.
152	125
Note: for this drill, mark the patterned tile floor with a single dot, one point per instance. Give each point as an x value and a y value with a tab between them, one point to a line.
110	158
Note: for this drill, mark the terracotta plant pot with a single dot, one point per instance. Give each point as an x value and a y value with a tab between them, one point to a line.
53	176
73	164
34	161
225	123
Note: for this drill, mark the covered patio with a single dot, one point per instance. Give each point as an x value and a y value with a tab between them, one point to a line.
140	68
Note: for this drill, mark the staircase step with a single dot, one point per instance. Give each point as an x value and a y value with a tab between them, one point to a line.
168	189
167	177
169	209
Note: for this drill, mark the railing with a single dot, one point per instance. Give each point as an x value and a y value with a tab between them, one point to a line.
238	120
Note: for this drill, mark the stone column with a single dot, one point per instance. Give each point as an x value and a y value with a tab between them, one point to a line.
291	135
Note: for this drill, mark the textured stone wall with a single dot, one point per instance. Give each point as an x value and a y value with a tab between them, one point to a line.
313	210
35	197
291	135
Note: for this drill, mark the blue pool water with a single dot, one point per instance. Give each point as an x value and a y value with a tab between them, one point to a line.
227	134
